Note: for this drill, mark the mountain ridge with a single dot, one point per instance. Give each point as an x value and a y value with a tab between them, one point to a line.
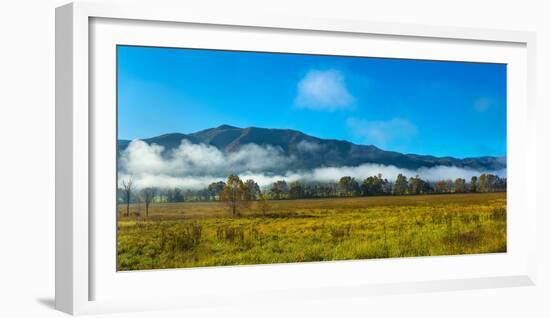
312	152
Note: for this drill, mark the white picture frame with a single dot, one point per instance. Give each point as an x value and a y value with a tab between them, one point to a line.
84	285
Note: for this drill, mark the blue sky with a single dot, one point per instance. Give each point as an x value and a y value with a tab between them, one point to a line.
411	106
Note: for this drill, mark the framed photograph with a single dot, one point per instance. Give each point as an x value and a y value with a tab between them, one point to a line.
212	159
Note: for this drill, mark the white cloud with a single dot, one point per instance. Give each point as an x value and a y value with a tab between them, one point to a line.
192	165
381	133
323	90
308	146
195	166
370	169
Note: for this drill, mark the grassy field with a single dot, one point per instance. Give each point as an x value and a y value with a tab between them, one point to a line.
202	234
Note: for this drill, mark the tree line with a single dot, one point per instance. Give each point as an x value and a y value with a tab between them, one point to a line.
236	192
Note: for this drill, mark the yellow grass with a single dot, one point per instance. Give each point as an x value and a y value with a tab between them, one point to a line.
203	234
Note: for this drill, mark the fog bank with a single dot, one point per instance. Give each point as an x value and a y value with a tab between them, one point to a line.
195	166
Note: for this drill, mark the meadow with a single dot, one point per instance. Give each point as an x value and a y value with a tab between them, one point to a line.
196	234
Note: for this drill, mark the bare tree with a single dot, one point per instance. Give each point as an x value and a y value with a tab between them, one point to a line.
127	189
148	194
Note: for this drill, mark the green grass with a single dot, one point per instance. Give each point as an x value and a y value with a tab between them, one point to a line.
202	234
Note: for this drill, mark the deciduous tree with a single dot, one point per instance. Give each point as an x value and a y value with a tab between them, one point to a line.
348	186
147	195
473	184
401	185
127	189
279	189
418	186
460	185
373	185
253	188
215	189
296	190
235	194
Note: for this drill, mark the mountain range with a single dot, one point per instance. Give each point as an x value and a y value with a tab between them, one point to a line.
310	152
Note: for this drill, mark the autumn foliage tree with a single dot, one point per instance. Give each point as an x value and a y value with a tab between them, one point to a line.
235	194
441	186
460	185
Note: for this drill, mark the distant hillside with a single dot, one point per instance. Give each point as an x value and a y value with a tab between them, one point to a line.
311	152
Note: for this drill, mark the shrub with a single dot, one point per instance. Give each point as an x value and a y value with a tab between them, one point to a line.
338	233
183	239
230	234
464	239
498	214
255	233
